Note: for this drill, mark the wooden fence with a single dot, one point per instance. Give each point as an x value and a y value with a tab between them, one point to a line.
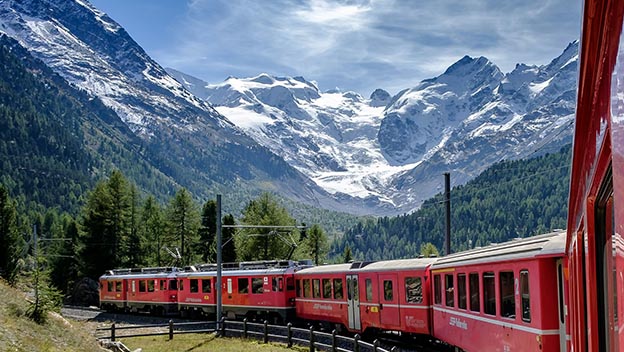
315	340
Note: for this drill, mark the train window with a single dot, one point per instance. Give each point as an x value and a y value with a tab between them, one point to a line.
278	284
525	296
306	288
229	286
473	281
449	289
194	285
206	286
356	291
461	291
257	285
110	287
118	286
437	297
369	290
150	285
173	285
489	293
163	285
507	298
327	288
338	289
298	283
290	284
141	285
243	285
181	282
413	290
388	290
316	288
133	286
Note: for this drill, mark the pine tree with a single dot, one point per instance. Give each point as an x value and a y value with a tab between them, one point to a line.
99	243
152	229
264	243
208	232
228	254
183	219
346	256
316	244
10	241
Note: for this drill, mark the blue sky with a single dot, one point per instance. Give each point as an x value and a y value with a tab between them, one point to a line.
354	45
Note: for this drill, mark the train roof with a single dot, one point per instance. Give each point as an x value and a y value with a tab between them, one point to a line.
382	265
541	246
140	272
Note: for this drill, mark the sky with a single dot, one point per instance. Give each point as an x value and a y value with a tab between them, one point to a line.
353	45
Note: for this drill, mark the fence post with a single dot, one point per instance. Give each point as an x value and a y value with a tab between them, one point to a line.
334	340
356	343
245	328
290	343
376	345
311	338
170	330
222	327
113	332
266	331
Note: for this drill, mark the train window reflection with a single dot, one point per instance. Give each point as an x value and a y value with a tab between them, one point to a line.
194	287
449	288
489	293
437	297
338	289
525	296
388	291
316	288
206	287
474	292
257	285
461	291
327	288
243	285
369	290
306	288
507	298
413	290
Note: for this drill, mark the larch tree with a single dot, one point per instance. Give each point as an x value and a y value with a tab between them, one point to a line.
10	240
183	220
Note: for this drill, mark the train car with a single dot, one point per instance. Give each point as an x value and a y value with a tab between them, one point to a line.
329	306
113	290
596	202
152	290
390	295
503	297
255	290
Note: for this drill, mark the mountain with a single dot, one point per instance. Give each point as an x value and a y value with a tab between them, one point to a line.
180	135
395	149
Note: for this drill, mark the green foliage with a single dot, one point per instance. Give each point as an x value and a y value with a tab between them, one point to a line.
428	249
152	231
183	223
208	232
10	241
511	199
316	244
228	252
264	243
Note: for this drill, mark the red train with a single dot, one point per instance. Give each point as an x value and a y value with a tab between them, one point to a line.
553	292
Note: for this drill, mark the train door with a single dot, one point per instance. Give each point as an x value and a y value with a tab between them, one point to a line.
606	277
353	302
562	308
389	307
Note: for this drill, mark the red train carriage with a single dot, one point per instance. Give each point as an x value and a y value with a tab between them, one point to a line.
321	295
153	290
256	290
385	295
503	297
113	290
596	204
140	289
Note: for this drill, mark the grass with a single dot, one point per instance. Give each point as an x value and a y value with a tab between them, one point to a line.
201	343
20	333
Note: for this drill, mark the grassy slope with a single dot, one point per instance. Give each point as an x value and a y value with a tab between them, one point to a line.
202	343
19	333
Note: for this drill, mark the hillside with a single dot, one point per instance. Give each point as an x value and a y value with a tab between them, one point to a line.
511	199
19	333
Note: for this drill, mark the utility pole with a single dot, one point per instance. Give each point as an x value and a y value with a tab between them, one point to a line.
447	195
219	260
36	269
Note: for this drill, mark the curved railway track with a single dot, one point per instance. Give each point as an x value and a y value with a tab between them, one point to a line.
387	340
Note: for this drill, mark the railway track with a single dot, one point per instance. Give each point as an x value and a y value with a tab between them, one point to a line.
387	340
